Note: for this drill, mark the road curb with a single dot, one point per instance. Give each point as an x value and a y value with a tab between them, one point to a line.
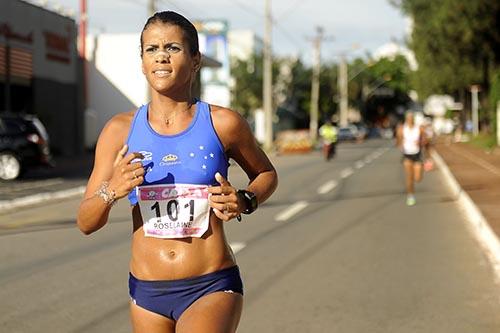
8	205
477	222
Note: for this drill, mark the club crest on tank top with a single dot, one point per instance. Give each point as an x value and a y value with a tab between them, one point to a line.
173	198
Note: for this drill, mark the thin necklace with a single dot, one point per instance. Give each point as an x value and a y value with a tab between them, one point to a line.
170	120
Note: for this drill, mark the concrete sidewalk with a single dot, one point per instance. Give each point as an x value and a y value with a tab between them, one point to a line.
478	173
39	185
474	176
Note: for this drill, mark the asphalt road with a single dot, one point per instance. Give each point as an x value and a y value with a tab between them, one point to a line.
334	250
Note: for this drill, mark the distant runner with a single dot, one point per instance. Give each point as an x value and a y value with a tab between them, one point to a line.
410	140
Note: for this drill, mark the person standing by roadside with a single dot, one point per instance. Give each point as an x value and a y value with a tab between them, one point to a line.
428	144
328	133
170	157
410	139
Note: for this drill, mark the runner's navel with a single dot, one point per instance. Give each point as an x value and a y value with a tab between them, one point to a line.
171	254
168	255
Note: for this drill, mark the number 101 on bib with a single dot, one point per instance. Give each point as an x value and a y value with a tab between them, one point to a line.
174	211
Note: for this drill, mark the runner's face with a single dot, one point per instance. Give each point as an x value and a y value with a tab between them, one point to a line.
409	119
166	61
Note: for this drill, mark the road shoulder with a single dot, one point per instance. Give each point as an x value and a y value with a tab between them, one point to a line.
473	177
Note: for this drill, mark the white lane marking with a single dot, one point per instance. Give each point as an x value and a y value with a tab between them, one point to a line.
359	164
291	211
237	246
346	172
327	187
374	155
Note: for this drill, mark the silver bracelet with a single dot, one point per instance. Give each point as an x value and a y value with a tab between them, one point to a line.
109	197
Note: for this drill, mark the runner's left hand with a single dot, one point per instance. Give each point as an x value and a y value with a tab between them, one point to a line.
224	199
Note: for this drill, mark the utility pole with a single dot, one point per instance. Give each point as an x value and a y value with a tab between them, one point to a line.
343	90
151	12
268	79
151	7
313	117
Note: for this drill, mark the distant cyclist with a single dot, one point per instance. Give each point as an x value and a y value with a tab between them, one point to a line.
410	140
328	133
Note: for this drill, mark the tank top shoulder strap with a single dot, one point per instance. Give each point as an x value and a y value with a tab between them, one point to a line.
205	114
137	121
204	110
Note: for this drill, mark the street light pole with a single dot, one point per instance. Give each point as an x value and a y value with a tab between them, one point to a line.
498	123
268	77
475	109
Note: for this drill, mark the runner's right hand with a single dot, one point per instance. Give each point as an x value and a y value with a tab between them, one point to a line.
126	173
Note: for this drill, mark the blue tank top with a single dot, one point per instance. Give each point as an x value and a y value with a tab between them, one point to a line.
192	156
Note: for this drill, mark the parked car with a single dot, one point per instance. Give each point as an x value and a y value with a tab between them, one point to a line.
362	130
24	143
349	133
374	133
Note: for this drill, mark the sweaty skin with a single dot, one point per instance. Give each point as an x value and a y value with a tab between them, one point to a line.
170	68
166	259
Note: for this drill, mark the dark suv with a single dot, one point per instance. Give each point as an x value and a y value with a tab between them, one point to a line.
24	142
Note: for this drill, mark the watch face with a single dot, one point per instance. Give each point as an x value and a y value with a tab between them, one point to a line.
250	201
253	200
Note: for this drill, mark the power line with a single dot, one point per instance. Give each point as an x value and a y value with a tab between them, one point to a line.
175	5
290	9
291	38
246	8
280	28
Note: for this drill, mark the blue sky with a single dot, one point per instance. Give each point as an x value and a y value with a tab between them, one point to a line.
367	23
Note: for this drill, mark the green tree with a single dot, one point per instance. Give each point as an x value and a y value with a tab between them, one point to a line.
367	77
246	92
456	43
296	88
292	86
299	92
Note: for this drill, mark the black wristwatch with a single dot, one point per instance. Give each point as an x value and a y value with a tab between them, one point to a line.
250	201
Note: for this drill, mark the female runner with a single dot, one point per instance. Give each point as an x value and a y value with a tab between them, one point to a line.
170	158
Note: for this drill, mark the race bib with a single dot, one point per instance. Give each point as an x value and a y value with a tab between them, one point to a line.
174	210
